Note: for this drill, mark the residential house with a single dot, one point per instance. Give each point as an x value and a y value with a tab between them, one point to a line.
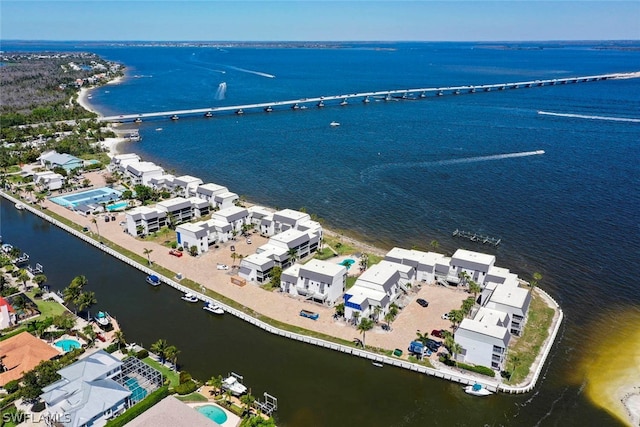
320	280
53	159
48	180
22	353
7	314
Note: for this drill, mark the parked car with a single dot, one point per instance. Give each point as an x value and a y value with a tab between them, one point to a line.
233	248
175	252
222	267
433	345
445	316
248	241
423	302
438	333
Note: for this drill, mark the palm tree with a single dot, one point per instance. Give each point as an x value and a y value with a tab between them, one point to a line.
118	337
171	353
536	279
159	347
86	300
365	325
293	255
389	317
422	337
95	222
356	317
24	277
247	400
376	312
147	252
234	256
216	383
79	281
455	316
464	277
89	333
475	289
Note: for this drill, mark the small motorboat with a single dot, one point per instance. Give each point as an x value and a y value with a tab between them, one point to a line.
213	308
189	297
477	390
233	384
334	124
153	280
377	364
19	206
103	318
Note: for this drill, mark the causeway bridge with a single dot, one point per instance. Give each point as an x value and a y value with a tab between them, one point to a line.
364	97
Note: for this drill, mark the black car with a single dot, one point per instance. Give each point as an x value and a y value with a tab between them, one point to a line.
423	302
433	345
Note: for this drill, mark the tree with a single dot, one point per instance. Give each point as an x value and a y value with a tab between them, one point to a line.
376	312
467	305
159	347
464	277
356	317
171	353
85	301
72	292
24	277
216	383
234	257
365	325
455	316
65	321
247	400
293	255
339	308
95	222
39	279
453	347
118	337
535	281
89	333
147	252
475	289
422	337
275	274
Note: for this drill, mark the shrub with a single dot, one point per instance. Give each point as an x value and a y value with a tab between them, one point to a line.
185	388
184	377
142	354
139	407
111	347
12	386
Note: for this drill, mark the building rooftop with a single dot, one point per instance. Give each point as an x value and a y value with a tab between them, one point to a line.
170	412
21	353
476	257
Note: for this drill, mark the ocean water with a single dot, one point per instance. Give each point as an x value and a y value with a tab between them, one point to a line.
403	173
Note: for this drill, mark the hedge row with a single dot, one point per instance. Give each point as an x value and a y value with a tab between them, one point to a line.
139	408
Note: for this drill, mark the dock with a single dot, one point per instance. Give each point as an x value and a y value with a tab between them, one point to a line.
476	237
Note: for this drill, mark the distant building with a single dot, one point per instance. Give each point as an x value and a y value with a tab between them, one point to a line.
320	280
53	159
48	180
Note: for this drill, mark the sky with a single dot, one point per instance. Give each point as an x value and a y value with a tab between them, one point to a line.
306	20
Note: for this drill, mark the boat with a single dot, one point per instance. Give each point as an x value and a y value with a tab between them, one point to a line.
189	297
477	390
103	318
158	129
377	364
153	280
334	124
175	117
208	114
138	120
309	314
268	109
213	308
19	206
233	384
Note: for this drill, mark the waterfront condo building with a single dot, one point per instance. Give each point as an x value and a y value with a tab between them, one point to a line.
141	173
144	220
319	280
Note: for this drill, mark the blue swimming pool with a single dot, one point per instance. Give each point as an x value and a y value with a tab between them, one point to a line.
137	392
95	196
68	344
213	413
117	206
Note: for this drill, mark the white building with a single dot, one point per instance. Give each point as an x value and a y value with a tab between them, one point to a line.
224	200
321	280
189	235
256	267
209	191
162	183
178	209
144	220
186	185
484	339
512	300
141	173
48	180
119	162
377	286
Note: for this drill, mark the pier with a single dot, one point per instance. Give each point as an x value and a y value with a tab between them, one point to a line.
363	97
476	237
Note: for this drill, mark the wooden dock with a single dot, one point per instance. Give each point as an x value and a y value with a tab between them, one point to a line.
476	237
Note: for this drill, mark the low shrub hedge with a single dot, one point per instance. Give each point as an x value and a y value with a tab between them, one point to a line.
142	354
139	408
185	388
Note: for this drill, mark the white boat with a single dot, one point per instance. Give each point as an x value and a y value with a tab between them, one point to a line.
103	318
153	280
334	124
377	364
189	297
213	308
233	384
19	206
477	390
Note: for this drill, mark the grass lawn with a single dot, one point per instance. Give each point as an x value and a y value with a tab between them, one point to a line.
524	352
48	308
193	397
172	376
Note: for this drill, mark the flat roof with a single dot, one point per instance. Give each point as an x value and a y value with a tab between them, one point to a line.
324	267
509	295
171	412
483	328
477	257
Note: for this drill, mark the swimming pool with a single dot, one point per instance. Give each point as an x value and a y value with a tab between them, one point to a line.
117	206
213	413
137	392
68	344
96	195
347	263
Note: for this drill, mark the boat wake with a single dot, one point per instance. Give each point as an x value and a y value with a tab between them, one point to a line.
257	73
368	173
582	116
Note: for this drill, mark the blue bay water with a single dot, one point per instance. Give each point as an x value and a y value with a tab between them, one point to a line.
403	173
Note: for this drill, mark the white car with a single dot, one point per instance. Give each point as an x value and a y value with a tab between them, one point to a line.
223	267
445	316
248	241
